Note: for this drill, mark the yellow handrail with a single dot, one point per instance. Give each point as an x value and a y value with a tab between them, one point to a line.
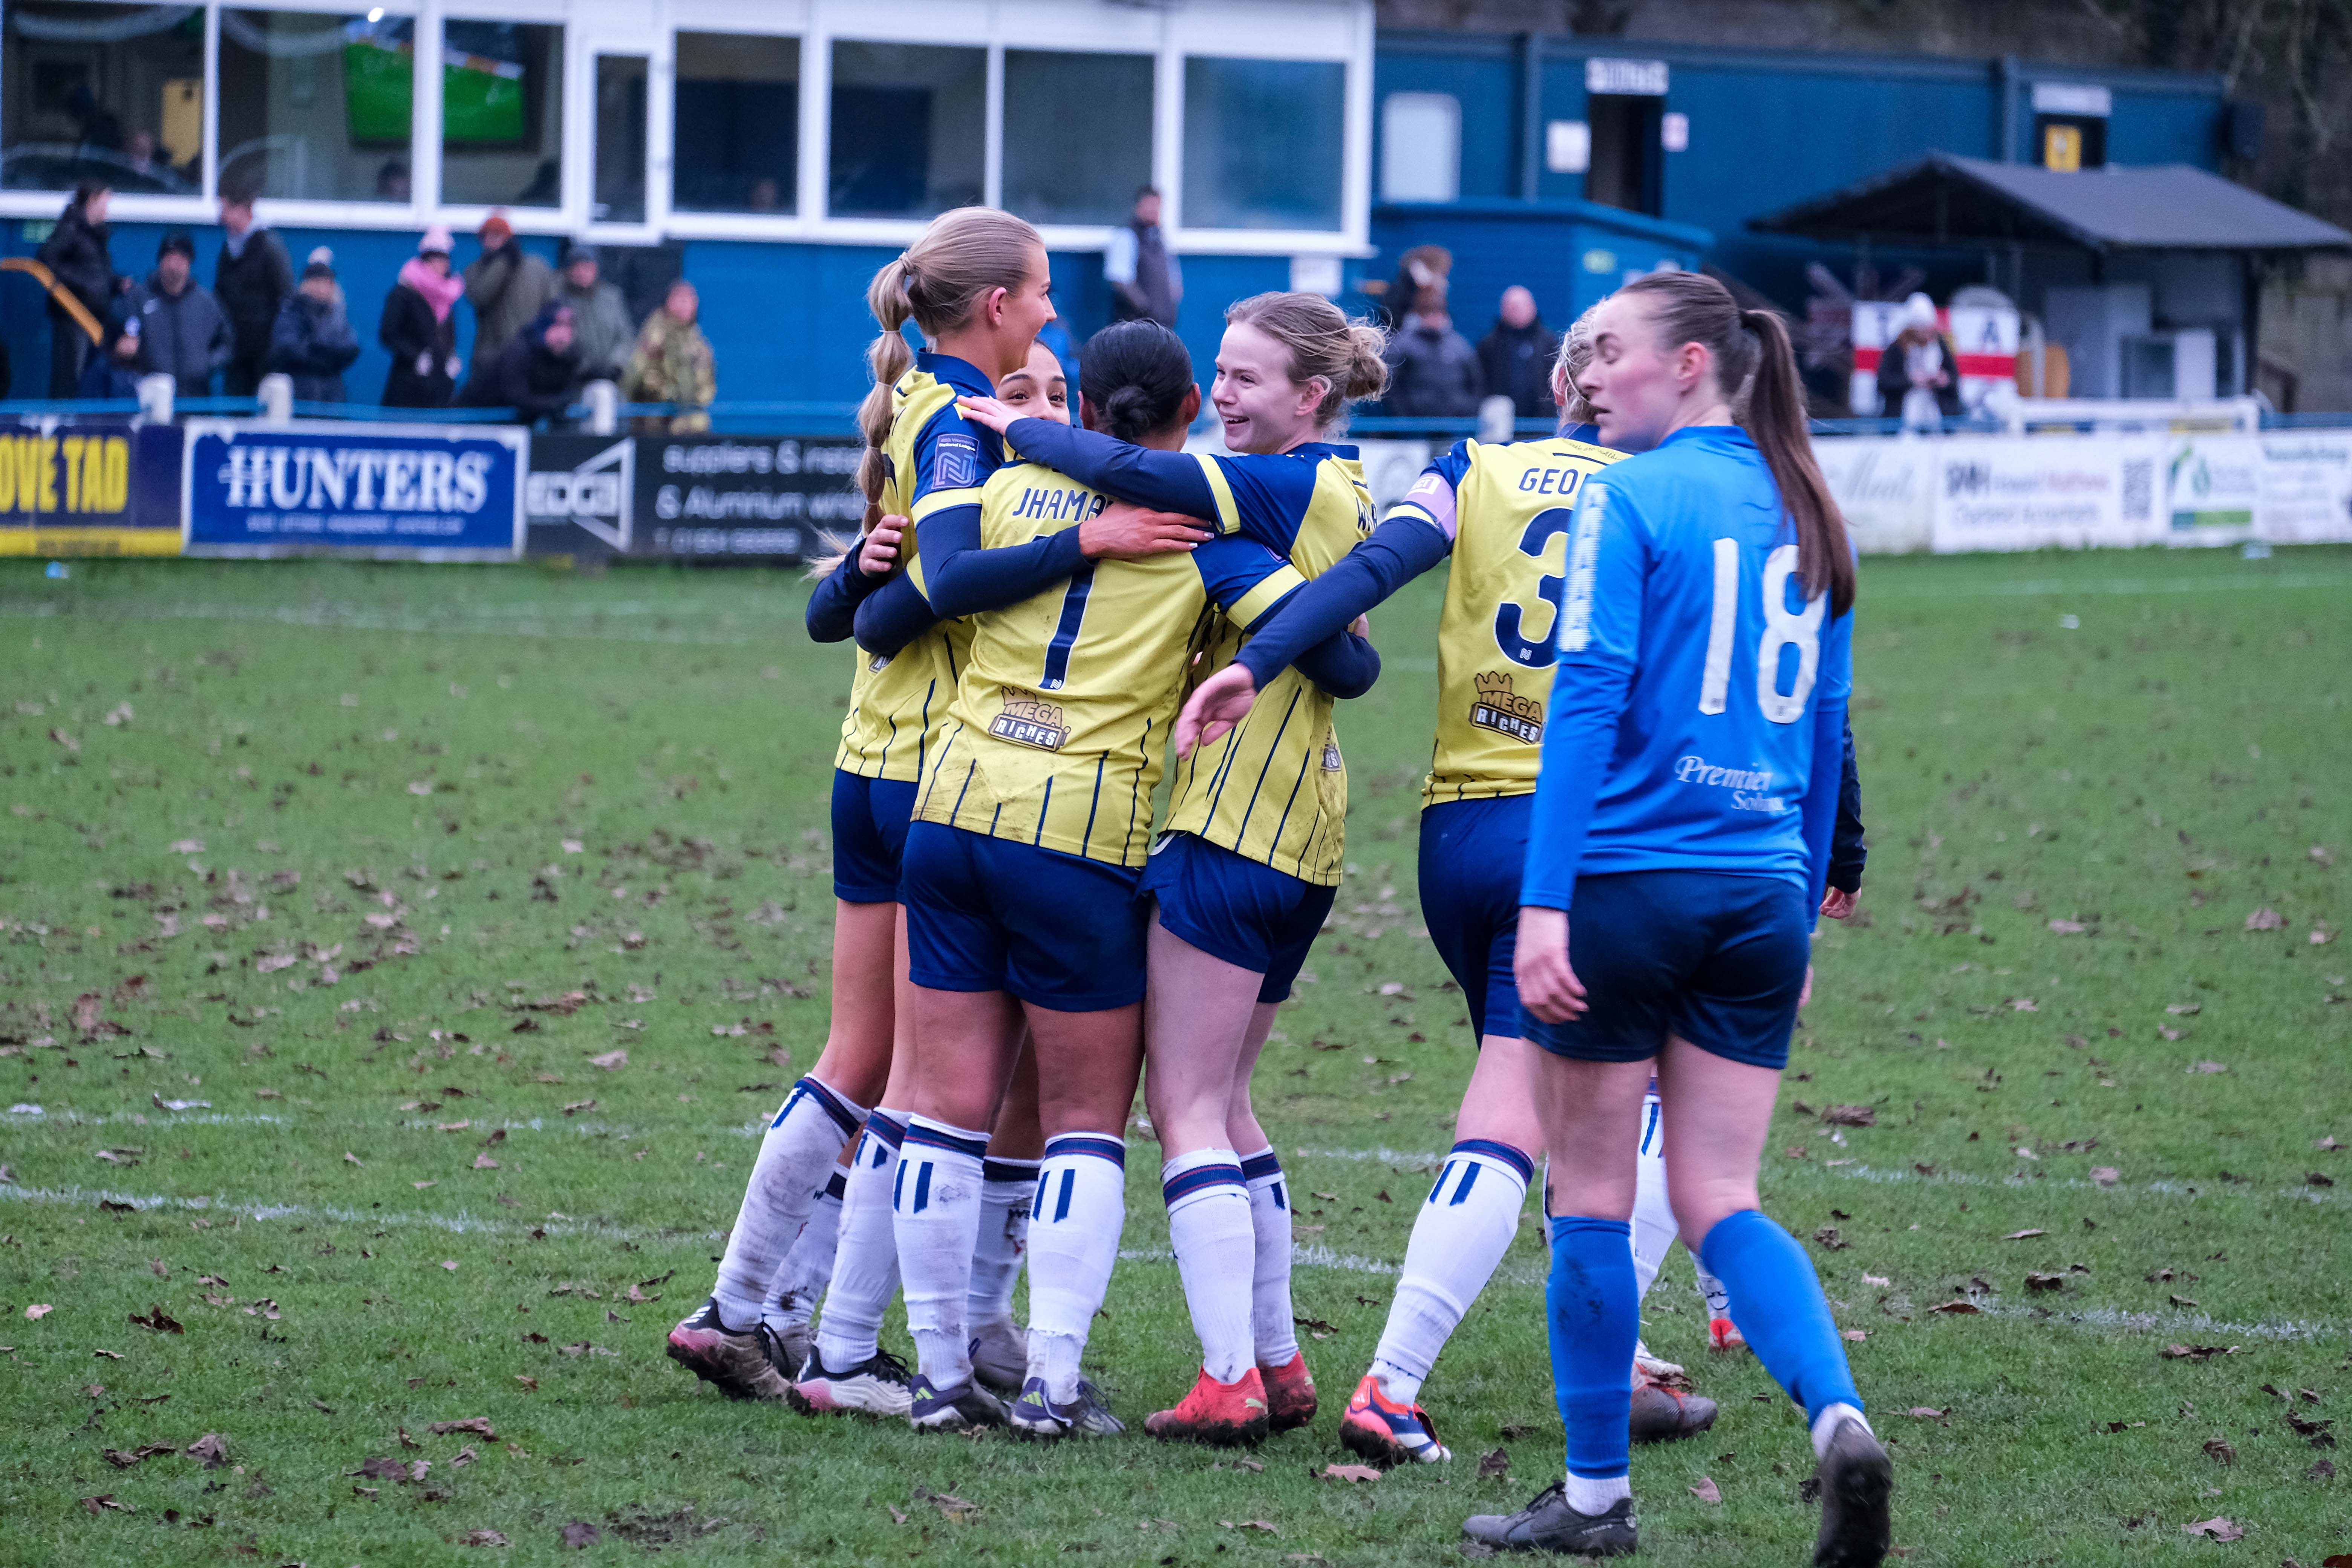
57	291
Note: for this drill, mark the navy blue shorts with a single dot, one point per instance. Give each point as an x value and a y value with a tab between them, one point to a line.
869	836
990	914
1472	852
1233	908
1717	960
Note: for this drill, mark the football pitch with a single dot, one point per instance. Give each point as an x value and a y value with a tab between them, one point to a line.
397	963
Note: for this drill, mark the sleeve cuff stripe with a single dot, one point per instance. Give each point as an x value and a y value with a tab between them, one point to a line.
1228	515
1254	606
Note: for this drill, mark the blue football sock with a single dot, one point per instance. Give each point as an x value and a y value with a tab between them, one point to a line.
1777	1302
1592	1312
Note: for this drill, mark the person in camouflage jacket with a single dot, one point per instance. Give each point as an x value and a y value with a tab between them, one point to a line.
673	364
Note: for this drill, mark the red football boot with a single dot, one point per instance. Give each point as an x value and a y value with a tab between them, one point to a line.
1226	1414
1290	1394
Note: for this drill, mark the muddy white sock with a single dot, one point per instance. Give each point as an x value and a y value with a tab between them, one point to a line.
1273	1328
1458	1238
1825	1425
935	1215
1074	1226
866	1259
804	1140
807	1268
1006	1192
1591	1497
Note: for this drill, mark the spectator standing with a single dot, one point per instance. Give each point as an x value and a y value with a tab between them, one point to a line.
533	374
1515	359
1918	373
673	364
420	327
506	286
75	255
1146	282
182	332
600	317
110	370
252	279
1433	370
313	341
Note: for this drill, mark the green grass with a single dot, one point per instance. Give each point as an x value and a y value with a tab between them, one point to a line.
2156	776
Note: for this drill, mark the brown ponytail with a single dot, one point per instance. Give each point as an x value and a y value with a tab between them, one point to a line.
1347	356
1753	362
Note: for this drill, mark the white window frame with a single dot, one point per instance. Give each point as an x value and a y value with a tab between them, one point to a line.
1267	29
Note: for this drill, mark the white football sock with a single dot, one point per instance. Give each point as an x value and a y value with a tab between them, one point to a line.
866	1259
1718	1298
1654	1217
935	1214
1074	1226
1458	1238
804	1138
1272	1324
807	1268
1591	1497
1825	1425
1216	1249
1009	1188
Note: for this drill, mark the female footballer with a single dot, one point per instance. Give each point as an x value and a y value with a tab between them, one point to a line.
1246	871
1032	824
1682	819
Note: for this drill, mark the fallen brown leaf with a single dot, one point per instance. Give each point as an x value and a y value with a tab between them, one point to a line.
610	1061
580	1536
2214	1529
2219	1452
212	1448
1707	1490
482	1538
1496	1463
1347	1473
477	1423
2023	1235
1962	1308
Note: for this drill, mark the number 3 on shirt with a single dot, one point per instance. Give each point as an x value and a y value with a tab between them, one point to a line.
1781	629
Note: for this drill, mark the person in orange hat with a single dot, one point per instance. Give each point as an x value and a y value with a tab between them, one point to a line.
506	286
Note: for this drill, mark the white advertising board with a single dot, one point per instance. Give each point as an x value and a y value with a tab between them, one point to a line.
2306	488
2003	492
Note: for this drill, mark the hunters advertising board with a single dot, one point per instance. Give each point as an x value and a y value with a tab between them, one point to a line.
81	486
720	498
384	493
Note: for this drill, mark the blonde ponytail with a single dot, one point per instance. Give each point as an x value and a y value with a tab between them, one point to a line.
1349	356
961	256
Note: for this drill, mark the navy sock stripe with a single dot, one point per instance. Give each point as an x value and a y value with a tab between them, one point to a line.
934	1138
888	1128
1062	1204
1259	1166
1184	1183
843	1116
1008	1170
1518	1162
1070	1143
834	1185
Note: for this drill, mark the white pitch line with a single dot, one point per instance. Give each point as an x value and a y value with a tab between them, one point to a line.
458	1224
526	624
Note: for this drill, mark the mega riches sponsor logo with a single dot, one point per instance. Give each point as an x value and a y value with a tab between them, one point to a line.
1028	720
1497	708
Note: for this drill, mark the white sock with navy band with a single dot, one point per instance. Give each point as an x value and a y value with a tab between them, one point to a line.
806	1270
805	1139
1007	1189
935	1215
866	1260
1074	1226
1655	1229
1273	1326
1458	1239
1216	1253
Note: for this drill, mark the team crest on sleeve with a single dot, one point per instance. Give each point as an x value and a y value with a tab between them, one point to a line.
1028	720
1497	708
955	463
1584	564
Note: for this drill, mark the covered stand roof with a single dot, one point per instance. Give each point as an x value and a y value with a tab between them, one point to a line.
1945	198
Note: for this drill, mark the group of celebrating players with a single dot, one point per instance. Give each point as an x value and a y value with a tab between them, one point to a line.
1643	725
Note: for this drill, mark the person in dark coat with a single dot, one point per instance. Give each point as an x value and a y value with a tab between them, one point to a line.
1516	358
508	287
182	332
533	374
252	279
1433	370
313	341
111	371
75	253
420	328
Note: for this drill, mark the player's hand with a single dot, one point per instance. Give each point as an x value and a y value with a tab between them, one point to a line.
1216	705
1122	531
1838	904
879	554
1805	996
986	412
1547	986
1363	627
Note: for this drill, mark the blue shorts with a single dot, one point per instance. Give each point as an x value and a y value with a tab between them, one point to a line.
989	914
1717	960
869	836
1233	908
1471	853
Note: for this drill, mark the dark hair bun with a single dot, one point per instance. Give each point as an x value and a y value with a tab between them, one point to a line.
1135	374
